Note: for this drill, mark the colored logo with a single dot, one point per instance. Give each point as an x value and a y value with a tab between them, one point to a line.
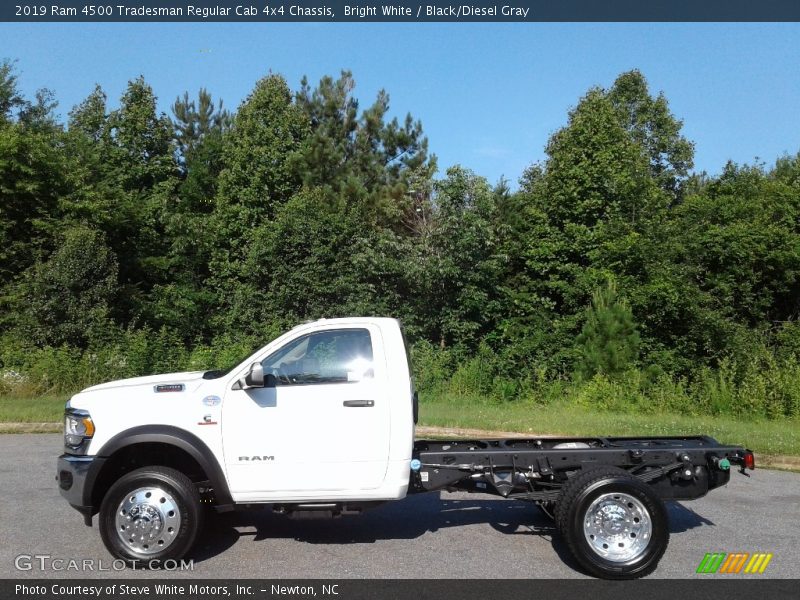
736	562
211	400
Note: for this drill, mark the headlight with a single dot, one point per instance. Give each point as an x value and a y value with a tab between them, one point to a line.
78	428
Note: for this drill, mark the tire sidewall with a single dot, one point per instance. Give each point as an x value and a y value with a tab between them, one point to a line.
189	510
659	539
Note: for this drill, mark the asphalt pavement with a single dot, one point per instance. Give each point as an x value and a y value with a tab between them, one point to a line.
447	535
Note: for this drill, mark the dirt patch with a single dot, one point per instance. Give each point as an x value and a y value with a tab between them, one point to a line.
424	431
785	463
30	427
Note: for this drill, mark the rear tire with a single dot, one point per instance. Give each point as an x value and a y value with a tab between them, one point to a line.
150	515
615	526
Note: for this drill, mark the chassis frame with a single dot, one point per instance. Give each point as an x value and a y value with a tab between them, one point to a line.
677	468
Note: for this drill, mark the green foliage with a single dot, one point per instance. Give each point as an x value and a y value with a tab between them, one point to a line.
456	261
33	178
763	387
123	176
608	343
257	176
360	158
132	243
255	180
66	299
788	339
10	97
432	366
300	266
195	121
653	127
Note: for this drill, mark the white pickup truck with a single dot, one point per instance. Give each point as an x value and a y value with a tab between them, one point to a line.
320	422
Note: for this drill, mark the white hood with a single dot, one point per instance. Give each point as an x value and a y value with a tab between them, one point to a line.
150	380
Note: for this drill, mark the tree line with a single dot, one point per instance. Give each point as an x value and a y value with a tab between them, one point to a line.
133	241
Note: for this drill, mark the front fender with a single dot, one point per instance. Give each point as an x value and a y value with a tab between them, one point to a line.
164	434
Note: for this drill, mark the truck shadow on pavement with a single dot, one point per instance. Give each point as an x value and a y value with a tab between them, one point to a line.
407	519
683	518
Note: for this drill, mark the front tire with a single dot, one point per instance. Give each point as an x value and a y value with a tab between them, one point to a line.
615	525
150	515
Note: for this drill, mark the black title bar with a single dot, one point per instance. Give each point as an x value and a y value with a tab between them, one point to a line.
265	11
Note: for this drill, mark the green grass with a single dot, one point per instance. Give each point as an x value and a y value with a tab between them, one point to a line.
43	409
776	437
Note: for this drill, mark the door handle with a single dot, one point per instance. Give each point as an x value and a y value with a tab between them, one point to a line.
359	403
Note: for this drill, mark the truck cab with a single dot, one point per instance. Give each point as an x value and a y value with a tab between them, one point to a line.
327	417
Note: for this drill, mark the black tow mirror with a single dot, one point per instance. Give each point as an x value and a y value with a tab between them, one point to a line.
255	377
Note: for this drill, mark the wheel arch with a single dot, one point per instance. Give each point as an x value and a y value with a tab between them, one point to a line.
180	448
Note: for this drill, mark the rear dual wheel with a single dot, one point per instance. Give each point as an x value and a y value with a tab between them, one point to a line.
615	525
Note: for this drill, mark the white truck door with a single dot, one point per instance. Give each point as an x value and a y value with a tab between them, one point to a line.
321	425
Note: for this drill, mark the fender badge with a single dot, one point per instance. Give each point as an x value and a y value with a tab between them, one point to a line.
211	400
168	387
207	420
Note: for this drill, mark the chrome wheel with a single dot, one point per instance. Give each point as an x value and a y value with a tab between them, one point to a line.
148	520
617	527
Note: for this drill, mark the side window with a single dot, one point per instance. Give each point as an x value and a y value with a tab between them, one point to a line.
335	356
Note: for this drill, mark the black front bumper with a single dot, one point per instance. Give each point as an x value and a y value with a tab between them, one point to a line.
76	476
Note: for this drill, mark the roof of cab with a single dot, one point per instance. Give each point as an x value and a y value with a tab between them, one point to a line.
350	321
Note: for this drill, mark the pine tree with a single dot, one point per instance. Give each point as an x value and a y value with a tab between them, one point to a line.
609	341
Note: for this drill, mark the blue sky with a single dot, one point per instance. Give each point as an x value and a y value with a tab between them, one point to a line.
488	95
